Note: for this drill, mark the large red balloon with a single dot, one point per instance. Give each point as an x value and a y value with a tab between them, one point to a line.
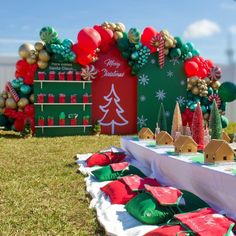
84	58
191	68
88	39
146	37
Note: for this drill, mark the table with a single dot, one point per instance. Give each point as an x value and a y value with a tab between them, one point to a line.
215	184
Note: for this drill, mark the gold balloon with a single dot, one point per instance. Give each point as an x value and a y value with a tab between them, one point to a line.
44	56
195	90
24	50
189	86
2	102
42	64
4	94
120	27
118	35
10	103
166	51
22	102
39	46
2	110
31	60
9	95
207	80
31	98
215	85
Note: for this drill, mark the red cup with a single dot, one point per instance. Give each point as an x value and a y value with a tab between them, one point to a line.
70	75
51	98
50	121
77	76
41	122
73	98
52	75
85	98
73	121
62	98
62	122
41	75
61	75
41	98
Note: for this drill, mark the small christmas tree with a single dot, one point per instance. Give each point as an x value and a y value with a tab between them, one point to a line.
215	122
161	120
177	125
27	132
198	127
97	128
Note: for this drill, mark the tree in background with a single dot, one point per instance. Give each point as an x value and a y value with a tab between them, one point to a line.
161	120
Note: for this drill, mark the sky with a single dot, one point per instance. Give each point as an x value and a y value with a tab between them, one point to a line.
207	23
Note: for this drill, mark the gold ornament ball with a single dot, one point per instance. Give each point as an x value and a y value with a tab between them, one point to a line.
39	46
4	94
44	56
215	85
22	102
9	95
207	80
31	98
2	102
120	26
189	86
195	90
193	80
42	64
166	51
24	50
10	103
118	35
31	60
206	116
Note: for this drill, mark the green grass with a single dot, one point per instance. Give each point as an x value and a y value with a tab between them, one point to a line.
40	191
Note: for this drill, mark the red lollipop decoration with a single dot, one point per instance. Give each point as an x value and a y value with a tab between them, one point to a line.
215	73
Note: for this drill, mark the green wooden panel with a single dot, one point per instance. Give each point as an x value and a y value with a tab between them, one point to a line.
157	85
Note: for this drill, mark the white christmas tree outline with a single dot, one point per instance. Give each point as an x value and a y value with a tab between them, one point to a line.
119	110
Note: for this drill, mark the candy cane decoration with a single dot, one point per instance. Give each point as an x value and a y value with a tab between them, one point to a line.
12	91
161	53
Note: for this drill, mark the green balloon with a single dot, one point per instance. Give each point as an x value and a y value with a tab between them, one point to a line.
3	120
190	45
227	92
134	55
224	121
210	91
179	42
184	49
123	44
175	53
25	89
193	107
204	109
195	52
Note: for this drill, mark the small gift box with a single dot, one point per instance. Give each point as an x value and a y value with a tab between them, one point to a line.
77	76
61	75
52	75
51	98
62	98
85	98
85	120
41	121
62	118
41	98
73	98
50	121
73	118
69	75
41	75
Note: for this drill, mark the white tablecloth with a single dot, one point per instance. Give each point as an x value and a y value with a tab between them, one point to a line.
214	184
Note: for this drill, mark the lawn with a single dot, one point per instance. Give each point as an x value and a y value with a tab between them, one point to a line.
40	191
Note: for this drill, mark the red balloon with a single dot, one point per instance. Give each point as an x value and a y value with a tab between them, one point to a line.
89	39
146	37
209	63
29	110
19	125
191	68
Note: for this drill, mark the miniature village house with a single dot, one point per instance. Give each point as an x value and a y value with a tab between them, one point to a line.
164	138
145	133
185	144
218	150
226	137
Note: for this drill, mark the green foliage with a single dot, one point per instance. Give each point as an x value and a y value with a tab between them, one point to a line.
97	128
215	122
162	118
27	132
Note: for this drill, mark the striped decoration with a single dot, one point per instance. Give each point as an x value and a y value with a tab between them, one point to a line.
12	91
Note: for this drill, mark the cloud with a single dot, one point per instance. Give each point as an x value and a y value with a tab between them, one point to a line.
232	29
201	29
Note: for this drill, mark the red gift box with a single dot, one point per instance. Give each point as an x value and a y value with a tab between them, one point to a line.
50	121
77	76
51	98
73	98
62	98
52	75
41	75
41	98
61	75
41	121
85	98
73	121
70	75
62	122
85	121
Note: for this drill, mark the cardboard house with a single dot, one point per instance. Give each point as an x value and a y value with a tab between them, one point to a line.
226	137
145	133
185	144
218	150
164	138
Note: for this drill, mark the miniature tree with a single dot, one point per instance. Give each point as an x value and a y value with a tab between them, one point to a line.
177	121
97	128
198	127
215	122
161	120
27	131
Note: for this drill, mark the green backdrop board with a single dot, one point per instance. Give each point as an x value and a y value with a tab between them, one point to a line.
156	86
62	80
